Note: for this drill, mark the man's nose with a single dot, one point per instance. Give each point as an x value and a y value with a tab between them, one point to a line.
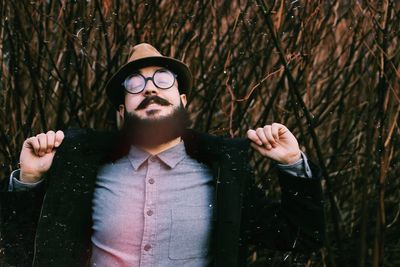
150	88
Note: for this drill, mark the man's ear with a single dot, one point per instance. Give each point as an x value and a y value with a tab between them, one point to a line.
120	116
121	111
183	99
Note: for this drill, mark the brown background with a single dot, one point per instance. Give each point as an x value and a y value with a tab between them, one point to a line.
328	70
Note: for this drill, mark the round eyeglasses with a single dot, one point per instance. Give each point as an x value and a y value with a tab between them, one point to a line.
162	79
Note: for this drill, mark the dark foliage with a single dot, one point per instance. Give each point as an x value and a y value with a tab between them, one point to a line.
328	70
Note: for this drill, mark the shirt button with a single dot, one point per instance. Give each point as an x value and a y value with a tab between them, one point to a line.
152	159
151	181
149	212
147	247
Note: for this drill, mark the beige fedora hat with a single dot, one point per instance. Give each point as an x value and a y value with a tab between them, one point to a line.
144	55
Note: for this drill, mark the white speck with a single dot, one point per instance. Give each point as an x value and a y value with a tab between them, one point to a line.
77	33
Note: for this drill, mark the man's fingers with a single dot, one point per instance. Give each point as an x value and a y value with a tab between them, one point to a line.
269	136
261	134
42	138
51	137
275	130
33	143
44	142
251	134
258	148
59	138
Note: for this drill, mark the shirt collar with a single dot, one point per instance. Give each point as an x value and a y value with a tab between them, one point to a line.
137	157
171	157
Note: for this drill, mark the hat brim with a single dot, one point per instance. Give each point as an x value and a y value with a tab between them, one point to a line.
114	87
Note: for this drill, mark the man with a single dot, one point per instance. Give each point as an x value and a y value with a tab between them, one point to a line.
155	194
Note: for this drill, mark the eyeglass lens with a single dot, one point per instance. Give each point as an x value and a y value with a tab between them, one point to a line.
163	79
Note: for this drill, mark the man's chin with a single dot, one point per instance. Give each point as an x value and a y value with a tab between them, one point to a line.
152	114
155	126
155	112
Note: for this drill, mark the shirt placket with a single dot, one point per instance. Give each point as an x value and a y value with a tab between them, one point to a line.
149	232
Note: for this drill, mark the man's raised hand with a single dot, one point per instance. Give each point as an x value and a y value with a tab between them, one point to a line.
37	155
275	141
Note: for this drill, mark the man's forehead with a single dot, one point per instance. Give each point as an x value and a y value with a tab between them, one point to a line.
148	69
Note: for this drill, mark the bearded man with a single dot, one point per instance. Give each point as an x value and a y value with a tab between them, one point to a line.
155	193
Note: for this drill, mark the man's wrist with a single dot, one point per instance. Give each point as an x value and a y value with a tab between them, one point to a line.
16	185
27	178
291	159
300	168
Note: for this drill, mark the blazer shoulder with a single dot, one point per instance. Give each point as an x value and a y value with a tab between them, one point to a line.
239	144
235	152
87	139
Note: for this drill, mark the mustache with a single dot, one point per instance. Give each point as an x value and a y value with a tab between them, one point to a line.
153	99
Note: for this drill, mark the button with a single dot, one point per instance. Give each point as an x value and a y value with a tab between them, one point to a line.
147	247
152	159
149	212
151	181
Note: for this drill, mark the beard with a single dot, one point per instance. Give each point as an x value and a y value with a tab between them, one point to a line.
154	132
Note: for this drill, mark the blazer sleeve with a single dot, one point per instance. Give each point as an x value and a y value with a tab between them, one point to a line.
295	223
19	214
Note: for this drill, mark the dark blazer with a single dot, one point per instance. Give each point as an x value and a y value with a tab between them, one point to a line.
51	224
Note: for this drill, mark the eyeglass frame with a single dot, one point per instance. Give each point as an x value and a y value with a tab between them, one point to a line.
146	79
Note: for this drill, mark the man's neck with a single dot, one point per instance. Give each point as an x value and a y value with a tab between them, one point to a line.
160	148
